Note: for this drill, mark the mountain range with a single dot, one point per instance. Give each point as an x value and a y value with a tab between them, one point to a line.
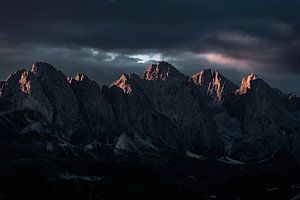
162	111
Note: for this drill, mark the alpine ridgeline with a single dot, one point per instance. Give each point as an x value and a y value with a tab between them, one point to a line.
163	111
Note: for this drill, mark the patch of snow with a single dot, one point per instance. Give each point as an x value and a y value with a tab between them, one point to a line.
133	144
125	143
193	155
295	186
231	161
234	161
271	189
68	176
264	160
226	160
144	143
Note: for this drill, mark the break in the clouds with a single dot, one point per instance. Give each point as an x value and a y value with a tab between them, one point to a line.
104	38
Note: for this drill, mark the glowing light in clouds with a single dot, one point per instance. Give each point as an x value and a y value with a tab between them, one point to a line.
111	57
144	58
225	61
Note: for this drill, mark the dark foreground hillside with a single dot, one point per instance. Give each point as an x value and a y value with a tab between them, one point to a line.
134	178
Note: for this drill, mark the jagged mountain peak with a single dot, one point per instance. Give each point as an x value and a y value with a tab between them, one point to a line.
125	81
1	84
58	90
213	84
219	78
203	77
129	76
216	74
81	77
23	91
292	97
14	75
293	102
40	68
125	78
206	76
161	71
164	114
247	82
23	79
252	77
10	84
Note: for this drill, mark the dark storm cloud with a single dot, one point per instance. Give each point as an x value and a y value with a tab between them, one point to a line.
142	24
249	35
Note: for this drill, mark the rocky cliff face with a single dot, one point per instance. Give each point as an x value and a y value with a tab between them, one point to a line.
161	71
175	95
161	111
172	100
95	111
293	103
23	91
141	125
263	117
246	84
214	85
61	95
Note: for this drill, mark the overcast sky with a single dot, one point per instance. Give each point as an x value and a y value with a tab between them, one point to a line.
104	38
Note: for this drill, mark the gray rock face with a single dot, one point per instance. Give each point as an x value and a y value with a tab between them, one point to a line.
24	122
161	71
138	120
60	94
214	85
296	143
125	82
95	111
175	96
203	79
161	111
246	84
22	91
293	103
264	120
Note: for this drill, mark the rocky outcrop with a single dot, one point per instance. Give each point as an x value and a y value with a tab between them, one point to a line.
95	111
293	103
161	111
125	82
138	120
61	95
246	84
24	122
161	71
23	91
167	108
214	85
175	96
264	120
203	79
